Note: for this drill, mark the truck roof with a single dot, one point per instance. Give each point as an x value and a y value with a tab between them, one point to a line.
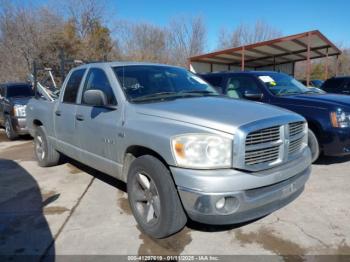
122	63
240	72
14	84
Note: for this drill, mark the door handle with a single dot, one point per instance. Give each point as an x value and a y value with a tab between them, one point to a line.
79	117
58	113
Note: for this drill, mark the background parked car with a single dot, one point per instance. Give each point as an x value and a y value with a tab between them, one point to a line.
337	85
313	83
13	100
328	115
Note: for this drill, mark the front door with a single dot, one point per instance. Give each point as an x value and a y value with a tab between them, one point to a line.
99	127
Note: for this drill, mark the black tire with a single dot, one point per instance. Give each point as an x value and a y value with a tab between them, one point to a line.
314	146
44	152
168	215
10	132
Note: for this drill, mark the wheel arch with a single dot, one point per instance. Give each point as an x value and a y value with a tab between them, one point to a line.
37	122
315	127
135	151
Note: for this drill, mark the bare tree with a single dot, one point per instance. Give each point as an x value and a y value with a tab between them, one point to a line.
244	34
84	13
25	35
141	41
186	37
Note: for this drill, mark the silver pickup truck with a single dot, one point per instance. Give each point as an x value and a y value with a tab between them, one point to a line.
183	150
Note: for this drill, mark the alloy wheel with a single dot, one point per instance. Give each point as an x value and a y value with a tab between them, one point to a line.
39	148
146	199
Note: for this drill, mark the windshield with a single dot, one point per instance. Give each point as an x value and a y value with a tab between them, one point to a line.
20	91
282	84
151	82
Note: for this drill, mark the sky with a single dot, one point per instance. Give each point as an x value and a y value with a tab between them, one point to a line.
331	17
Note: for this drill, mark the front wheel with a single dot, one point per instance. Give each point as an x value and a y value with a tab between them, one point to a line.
10	133
314	146
45	154
153	198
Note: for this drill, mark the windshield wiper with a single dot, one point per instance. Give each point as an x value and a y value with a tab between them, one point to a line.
290	93
163	95
198	92
154	96
201	92
311	92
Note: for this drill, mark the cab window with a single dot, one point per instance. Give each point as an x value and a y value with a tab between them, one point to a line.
97	80
72	87
237	86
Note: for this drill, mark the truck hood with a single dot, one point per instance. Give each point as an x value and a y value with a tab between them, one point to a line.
19	100
319	100
218	113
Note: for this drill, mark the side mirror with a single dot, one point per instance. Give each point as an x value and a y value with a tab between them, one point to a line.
95	98
252	95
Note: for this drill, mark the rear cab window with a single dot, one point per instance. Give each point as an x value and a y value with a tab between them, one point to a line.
20	91
72	86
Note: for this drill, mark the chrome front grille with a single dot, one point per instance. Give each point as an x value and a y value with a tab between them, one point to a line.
264	155
296	128
263	136
295	146
270	146
263	146
296	134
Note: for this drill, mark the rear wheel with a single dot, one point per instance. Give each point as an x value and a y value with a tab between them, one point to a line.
10	133
153	198
45	154
314	146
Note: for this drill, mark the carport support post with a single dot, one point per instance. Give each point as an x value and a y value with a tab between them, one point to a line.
308	63
242	59
336	65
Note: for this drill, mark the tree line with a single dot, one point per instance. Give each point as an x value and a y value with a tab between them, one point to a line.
80	28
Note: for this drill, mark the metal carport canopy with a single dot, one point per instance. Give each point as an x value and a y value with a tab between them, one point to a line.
284	50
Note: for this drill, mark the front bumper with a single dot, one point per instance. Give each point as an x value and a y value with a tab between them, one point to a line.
247	195
336	142
19	125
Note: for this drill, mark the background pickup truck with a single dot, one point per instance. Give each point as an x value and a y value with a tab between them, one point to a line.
13	100
183	150
328	115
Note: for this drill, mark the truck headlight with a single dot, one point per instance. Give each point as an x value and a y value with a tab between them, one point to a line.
19	110
340	119
202	151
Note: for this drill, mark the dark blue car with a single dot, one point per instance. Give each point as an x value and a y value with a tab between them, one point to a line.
328	115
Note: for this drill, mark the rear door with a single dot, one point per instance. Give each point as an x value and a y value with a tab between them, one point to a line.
99	127
64	116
